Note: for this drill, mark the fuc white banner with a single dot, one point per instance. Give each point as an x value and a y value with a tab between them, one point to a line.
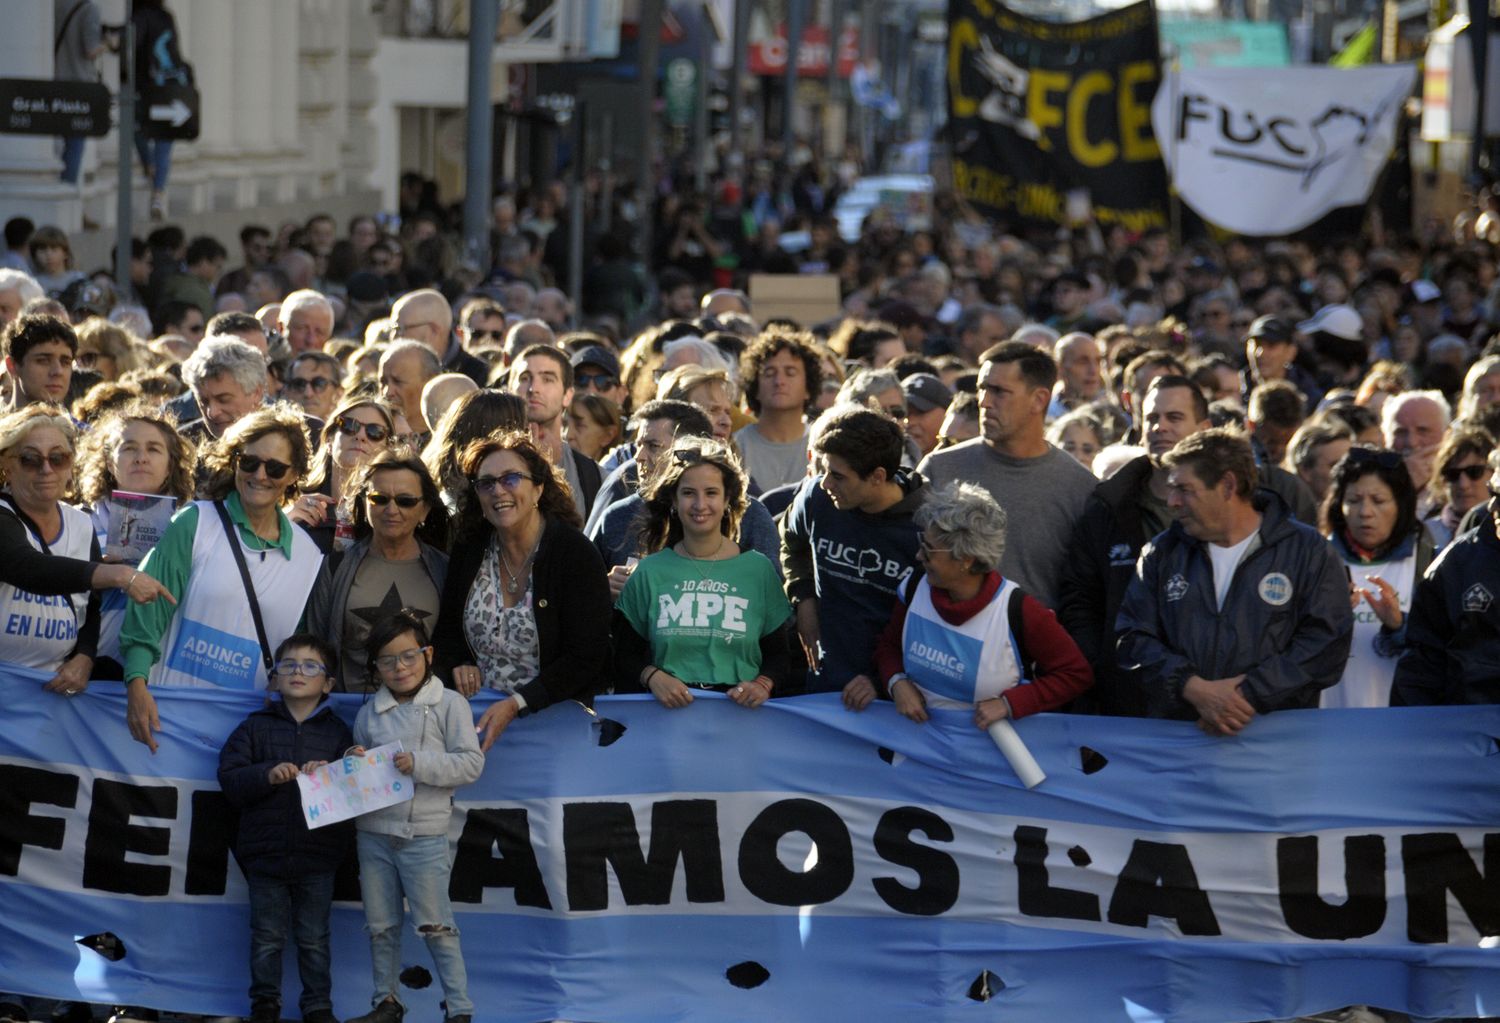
1268	151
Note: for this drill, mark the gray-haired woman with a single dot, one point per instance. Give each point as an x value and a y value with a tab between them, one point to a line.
964	636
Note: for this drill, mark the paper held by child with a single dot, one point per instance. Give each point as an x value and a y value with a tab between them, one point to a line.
347	788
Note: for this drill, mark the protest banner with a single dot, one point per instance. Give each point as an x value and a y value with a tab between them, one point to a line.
347	788
1268	154
1039	110
802	862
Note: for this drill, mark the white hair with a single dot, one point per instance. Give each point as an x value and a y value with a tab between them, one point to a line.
225	355
306	298
133	318
969	520
1398	402
21	282
709	356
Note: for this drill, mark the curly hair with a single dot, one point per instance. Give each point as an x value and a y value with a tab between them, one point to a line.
96	453
660	525
556	501
772	343
433	530
280	418
969	521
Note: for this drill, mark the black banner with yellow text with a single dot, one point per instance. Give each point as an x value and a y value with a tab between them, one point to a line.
1051	121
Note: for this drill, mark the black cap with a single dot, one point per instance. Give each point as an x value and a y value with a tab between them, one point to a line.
1270	328
597	355
925	392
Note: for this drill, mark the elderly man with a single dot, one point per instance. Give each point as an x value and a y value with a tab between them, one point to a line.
1080	373
16	289
426	316
228	379
305	320
1481	387
439	394
521	336
1238	609
405	368
978	329
553	308
1413	424
725	300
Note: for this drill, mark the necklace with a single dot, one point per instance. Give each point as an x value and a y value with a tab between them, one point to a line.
682	549
514	585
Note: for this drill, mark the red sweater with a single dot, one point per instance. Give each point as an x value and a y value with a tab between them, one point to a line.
1062	671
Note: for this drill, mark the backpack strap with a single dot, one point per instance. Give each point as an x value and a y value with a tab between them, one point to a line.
1018	632
62	33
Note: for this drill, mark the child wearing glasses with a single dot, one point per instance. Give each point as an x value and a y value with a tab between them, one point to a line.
288	868
403	849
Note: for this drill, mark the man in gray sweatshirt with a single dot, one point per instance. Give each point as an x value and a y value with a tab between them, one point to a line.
1042	489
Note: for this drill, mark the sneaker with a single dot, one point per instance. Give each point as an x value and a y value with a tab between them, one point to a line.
265	1011
319	1016
158	206
388	1011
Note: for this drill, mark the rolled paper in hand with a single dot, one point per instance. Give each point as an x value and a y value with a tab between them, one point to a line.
1020	758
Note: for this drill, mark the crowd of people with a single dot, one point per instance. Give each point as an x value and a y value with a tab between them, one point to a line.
1103	474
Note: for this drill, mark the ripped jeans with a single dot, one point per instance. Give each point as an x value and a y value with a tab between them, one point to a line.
418	868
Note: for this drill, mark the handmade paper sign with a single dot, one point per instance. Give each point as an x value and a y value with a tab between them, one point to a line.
347	788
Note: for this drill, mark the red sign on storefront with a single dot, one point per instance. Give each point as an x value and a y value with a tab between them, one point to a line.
768	56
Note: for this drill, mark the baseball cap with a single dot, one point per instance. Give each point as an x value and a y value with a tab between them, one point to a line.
1271	329
925	392
1423	291
1339	320
597	355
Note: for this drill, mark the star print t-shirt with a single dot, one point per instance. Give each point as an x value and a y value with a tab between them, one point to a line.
705	619
382	588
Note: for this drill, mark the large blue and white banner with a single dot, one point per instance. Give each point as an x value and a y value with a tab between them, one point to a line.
800	862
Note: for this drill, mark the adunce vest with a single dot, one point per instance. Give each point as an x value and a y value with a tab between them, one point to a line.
956	666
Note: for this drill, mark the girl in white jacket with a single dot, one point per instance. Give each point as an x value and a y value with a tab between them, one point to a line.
403	849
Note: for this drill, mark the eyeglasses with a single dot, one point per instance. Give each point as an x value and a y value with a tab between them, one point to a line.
32	461
597	381
377	432
927	550
1472	473
481	335
380	500
307	669
251	464
406	658
1374	456
896	412
508	480
317	385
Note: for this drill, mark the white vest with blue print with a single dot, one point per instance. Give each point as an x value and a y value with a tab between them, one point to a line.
212	641
956	666
40	632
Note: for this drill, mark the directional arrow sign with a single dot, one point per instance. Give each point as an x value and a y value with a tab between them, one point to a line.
171	111
40	106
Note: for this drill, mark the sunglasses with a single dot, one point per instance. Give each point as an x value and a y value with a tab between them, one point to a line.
406	658
317	385
380	500
376	432
251	464
307	669
508	480
32	461
1472	473
597	381
1372	456
481	335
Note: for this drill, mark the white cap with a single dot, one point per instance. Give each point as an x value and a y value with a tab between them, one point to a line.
1338	320
1425	291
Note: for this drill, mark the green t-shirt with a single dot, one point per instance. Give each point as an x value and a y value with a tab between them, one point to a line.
705	619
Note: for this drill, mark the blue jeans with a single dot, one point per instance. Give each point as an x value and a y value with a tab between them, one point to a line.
72	156
156	156
418	868
300	906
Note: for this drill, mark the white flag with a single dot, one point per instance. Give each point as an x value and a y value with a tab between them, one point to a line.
1267	151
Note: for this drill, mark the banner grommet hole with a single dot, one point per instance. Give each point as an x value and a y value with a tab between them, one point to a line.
986	986
1092	760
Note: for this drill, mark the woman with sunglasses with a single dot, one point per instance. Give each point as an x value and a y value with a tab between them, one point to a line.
1460	481
526	606
49	554
397	561
1370	518
239	568
701	612
358	429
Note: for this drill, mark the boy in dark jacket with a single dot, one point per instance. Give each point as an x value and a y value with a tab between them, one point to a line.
288	868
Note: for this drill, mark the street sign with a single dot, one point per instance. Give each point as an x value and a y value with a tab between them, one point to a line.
41	106
169	111
681	91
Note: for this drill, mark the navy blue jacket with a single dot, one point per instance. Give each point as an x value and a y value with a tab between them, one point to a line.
1286	624
273	839
1453	632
